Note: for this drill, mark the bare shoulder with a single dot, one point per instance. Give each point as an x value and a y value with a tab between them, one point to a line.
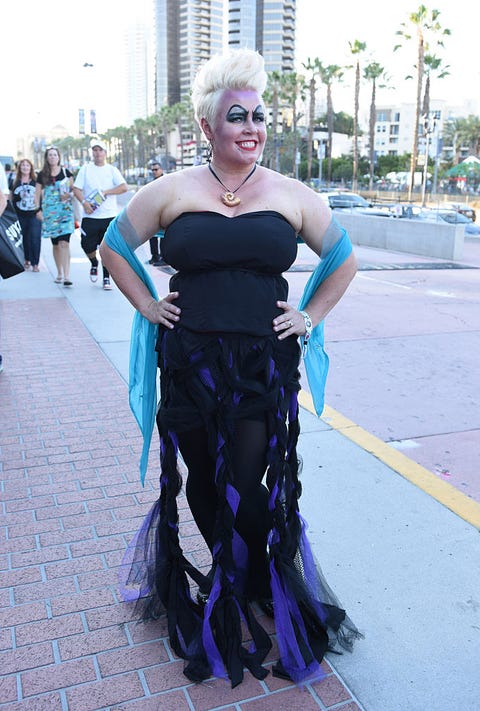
158	203
299	204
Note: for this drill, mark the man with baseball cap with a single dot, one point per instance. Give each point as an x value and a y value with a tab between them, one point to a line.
96	187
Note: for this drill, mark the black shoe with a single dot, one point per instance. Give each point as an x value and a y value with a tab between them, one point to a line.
159	263
152	260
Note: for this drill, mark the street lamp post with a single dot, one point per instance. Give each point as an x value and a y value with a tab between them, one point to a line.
429	124
320	156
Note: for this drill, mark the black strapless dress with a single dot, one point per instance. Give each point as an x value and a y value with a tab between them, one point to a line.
221	364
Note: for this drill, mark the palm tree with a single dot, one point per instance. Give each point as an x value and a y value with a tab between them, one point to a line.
425	23
312	66
472	134
433	65
462	134
166	122
152	143
293	89
328	74
181	115
272	96
372	72
356	48
140	128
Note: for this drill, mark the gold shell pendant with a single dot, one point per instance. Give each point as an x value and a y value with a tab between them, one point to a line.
230	200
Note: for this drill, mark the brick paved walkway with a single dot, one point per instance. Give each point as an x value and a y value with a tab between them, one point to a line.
70	502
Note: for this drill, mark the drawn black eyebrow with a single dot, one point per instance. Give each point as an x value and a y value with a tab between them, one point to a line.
258	110
236	108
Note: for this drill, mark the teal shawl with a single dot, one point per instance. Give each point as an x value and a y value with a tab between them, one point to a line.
143	358
315	359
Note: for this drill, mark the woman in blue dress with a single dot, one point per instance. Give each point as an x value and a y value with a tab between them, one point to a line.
54	197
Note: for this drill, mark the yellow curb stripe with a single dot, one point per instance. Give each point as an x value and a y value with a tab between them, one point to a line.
442	491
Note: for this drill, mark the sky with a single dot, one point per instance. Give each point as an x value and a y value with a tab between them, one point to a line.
45	82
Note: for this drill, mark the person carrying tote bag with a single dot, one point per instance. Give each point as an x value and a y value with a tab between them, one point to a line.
11	242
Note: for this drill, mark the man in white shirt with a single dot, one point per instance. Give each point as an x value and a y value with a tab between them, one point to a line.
96	187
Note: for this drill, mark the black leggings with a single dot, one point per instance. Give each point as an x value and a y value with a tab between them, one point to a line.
253	520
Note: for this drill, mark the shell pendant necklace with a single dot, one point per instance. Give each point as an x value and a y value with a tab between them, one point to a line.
228	197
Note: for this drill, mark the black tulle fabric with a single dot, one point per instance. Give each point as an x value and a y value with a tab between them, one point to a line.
212	381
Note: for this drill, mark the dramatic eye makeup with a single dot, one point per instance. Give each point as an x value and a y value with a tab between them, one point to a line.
238	113
258	114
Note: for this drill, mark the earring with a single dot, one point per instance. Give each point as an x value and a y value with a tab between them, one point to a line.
209	152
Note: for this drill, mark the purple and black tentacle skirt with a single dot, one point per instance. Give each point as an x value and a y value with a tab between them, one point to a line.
210	381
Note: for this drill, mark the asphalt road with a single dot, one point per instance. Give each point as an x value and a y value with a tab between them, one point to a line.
404	347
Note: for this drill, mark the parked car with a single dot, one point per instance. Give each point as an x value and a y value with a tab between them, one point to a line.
402	210
353	202
463	209
451	217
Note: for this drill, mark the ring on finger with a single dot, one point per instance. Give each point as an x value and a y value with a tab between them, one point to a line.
290	323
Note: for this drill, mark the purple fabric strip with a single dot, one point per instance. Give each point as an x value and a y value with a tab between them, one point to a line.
240	556
286	608
273	497
233	498
292	412
271	371
218	464
174	438
206	378
211	649
287	644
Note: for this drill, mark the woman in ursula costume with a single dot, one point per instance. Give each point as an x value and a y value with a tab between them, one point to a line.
227	346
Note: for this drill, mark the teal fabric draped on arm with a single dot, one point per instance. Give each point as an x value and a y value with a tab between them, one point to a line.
315	359
143	357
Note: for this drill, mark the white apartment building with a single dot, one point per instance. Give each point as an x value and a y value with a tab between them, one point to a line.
394	128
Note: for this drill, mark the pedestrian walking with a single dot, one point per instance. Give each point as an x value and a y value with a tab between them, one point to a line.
96	186
54	200
155	258
23	199
227	345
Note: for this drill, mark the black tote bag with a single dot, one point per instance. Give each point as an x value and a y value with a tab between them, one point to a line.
11	244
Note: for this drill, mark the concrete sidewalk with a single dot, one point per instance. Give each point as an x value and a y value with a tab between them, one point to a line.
404	565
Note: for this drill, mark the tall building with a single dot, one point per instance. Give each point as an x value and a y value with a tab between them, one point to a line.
187	33
139	72
267	26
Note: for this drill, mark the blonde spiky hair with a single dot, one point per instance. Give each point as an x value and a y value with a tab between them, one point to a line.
238	69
